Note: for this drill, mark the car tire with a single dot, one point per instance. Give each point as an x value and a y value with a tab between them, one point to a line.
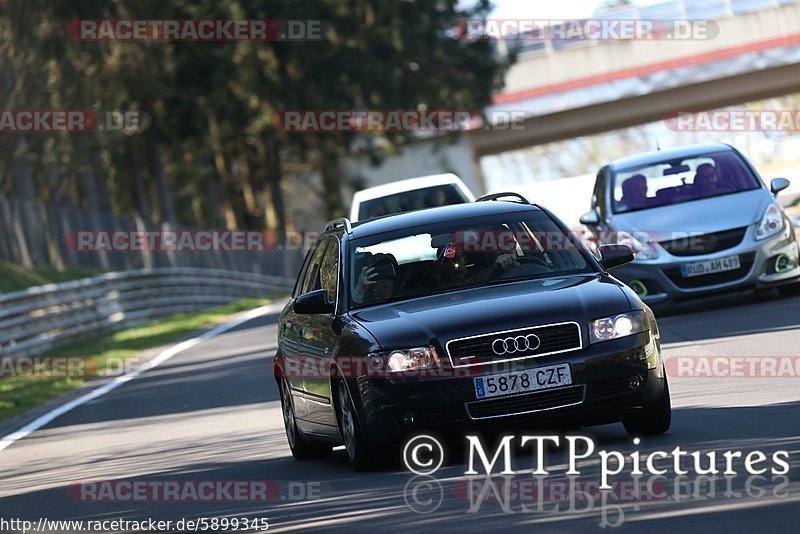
358	450
789	290
302	448
653	420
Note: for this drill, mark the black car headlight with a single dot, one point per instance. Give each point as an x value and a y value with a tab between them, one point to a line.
399	361
616	326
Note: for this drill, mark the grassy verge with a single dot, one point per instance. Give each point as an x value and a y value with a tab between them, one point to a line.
19	394
13	277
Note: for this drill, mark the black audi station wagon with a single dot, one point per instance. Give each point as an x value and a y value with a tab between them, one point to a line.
481	315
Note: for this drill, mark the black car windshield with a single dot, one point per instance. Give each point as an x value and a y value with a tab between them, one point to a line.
681	180
416	199
455	255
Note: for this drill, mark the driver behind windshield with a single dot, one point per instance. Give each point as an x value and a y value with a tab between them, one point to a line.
461	264
707	181
377	279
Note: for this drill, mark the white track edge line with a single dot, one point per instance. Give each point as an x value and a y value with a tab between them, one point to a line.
160	358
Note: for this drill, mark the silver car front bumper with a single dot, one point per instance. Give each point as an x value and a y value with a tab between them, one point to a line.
660	280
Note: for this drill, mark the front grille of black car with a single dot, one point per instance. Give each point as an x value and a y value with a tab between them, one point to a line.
478	350
746	263
705	243
529	402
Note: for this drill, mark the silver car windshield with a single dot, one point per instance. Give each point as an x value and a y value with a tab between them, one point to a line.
454	255
679	181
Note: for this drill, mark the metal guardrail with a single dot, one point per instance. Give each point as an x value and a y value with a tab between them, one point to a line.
39	318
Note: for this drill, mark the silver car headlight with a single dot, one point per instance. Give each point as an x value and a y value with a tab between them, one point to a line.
398	361
645	251
771	223
641	244
616	326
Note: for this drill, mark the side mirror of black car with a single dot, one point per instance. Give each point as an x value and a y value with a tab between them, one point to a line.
590	218
313	303
615	255
778	184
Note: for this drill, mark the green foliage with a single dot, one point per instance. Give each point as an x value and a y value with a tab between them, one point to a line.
212	155
15	278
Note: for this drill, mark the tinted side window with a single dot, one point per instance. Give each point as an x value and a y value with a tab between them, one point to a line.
599	195
329	270
298	285
311	278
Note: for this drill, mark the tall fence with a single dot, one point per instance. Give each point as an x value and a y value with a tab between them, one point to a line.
45	316
33	234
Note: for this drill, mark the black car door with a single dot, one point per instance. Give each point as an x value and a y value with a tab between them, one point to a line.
318	341
322	342
295	330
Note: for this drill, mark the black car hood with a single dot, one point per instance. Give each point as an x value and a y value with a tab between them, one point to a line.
440	318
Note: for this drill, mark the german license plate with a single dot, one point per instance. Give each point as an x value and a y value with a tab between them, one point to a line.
551	376
710	267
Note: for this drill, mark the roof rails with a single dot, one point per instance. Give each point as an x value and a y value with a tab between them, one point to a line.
497	196
340	222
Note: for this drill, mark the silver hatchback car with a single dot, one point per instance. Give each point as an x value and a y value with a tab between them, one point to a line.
701	220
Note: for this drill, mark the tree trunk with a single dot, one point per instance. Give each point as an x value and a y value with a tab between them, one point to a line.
100	179
139	189
275	183
331	179
20	169
165	201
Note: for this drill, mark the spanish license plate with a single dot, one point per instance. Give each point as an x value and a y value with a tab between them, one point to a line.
710	267
551	376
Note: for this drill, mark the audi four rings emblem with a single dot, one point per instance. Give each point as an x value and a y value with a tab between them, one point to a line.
510	345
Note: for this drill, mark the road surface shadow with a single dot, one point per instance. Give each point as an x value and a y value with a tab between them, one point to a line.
327	494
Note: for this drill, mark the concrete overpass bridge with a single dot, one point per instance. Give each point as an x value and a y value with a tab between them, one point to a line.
568	88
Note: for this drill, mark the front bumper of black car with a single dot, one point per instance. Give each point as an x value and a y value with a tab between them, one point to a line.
609	379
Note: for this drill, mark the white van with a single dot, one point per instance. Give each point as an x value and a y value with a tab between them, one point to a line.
409	195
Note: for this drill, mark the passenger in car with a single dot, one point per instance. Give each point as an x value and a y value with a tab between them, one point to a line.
436	197
378	209
634	192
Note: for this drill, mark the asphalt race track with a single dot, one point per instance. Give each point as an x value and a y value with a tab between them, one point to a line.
212	413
